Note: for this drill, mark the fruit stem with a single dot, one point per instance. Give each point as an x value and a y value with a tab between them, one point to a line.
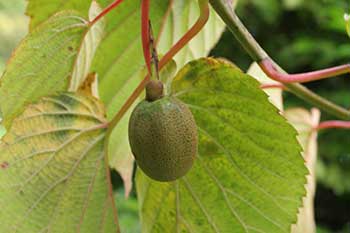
105	11
197	27
257	53
268	67
333	125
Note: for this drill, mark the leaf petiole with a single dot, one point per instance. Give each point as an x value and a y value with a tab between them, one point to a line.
333	125
267	65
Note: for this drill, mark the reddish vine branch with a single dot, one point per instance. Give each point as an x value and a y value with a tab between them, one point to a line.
334	125
267	65
258	54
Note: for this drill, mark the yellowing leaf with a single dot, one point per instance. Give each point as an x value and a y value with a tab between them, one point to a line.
53	176
42	64
249	175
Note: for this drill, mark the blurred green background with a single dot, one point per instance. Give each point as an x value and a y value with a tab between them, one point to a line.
301	35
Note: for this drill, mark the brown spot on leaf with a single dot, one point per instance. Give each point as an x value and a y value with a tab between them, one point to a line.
4	165
70	48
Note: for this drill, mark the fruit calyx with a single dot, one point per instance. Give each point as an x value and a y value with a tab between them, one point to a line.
154	90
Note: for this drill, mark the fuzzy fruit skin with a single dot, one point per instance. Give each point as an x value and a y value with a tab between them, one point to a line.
163	138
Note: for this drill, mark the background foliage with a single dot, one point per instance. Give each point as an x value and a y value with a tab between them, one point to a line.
302	30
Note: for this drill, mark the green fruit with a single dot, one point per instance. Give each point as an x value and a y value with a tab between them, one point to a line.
163	138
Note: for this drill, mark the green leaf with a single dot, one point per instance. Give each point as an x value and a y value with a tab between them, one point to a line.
42	63
128	213
52	175
40	10
275	94
182	16
249	174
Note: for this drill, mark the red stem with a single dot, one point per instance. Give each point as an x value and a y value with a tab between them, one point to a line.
197	27
106	11
145	33
334	125
268	67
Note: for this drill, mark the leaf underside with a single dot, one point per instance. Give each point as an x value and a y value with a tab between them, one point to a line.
249	175
41	10
42	64
52	174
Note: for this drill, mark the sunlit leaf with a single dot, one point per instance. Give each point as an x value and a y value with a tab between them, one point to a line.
249	175
42	63
52	175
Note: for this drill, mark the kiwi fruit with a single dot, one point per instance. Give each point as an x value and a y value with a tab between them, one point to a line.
163	135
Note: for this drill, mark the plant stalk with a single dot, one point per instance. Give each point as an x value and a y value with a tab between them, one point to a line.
267	65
